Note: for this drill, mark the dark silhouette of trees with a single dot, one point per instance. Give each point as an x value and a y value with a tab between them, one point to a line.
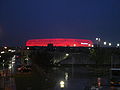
43	75
101	55
42	59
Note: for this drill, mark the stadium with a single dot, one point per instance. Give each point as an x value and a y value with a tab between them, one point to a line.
60	42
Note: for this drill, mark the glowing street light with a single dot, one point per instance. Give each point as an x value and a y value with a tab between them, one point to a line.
5	47
92	45
2	52
105	43
118	45
9	50
89	45
13	50
97	39
109	44
28	48
67	54
62	84
74	45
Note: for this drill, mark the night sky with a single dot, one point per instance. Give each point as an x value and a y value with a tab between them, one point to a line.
21	20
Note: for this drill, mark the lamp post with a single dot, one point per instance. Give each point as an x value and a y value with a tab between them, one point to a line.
105	43
98	40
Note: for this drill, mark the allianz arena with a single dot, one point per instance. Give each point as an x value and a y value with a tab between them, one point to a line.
60	42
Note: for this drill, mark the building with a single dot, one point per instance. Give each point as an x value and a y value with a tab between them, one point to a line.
60	42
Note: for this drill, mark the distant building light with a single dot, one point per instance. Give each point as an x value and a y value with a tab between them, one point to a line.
13	50
89	45
74	45
2	52
85	43
9	50
13	62
3	64
26	59
9	67
5	47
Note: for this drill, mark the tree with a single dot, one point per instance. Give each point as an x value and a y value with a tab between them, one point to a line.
42	59
42	73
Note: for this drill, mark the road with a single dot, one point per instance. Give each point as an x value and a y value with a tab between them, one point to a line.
84	81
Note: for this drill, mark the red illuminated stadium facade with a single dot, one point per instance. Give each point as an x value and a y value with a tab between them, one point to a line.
60	42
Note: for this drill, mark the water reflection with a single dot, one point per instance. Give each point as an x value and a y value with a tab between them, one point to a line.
66	76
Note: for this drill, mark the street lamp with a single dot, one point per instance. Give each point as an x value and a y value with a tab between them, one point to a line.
67	54
92	45
13	50
105	43
5	47
62	84
98	40
109	44
118	45
28	48
2	52
9	50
